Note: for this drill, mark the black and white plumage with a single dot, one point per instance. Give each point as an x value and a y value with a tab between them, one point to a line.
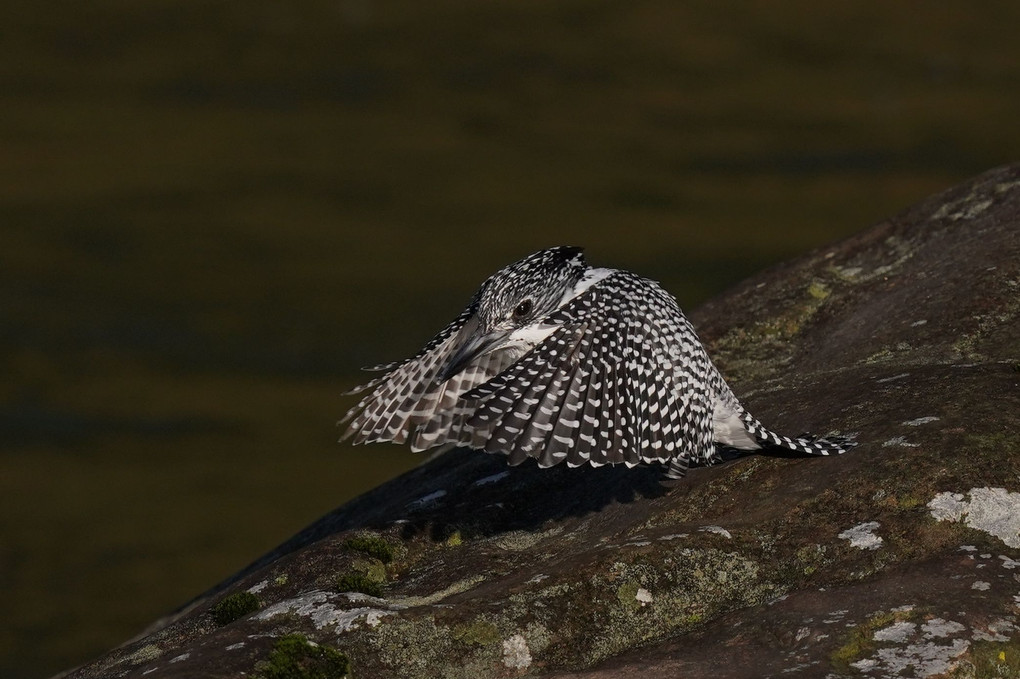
556	360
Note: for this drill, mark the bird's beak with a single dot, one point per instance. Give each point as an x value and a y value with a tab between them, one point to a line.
475	343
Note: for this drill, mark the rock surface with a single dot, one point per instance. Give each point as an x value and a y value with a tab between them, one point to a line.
901	558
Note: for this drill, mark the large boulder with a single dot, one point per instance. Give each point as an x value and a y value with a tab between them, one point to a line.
900	557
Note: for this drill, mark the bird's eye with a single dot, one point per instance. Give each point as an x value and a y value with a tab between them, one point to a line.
523	309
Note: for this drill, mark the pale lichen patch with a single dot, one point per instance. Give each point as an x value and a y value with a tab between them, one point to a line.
835	616
996	631
718	530
901	647
927	659
320	609
865	665
921	420
899	441
949	507
847	273
937	628
993	510
863	535
897	632
516	654
258	587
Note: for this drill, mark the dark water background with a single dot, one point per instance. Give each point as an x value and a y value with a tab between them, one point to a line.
212	213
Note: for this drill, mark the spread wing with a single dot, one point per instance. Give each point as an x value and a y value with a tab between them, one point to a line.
407	404
622	379
401	397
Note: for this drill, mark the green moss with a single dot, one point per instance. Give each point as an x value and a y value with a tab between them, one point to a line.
371	569
994	659
146	653
235	606
480	632
371	545
455	539
810	557
861	640
627	594
818	290
415	648
294	657
910	502
359	582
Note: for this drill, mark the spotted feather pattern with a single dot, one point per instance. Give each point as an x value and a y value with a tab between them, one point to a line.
611	385
612	373
406	396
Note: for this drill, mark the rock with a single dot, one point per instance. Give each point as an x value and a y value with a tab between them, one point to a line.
901	556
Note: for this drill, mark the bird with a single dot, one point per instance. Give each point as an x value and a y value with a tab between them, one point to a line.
556	360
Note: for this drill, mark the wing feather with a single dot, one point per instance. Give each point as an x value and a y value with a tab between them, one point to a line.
509	410
615	450
563	438
407	394
589	401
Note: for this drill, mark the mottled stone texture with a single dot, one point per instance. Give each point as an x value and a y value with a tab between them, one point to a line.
895	559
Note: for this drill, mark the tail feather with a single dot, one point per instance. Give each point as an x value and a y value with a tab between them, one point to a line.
809	444
677	467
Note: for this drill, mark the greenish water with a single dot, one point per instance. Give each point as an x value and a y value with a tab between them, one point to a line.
211	214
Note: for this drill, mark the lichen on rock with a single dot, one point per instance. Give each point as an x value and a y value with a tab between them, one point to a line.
995	511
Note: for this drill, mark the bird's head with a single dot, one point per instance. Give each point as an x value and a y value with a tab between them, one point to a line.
511	304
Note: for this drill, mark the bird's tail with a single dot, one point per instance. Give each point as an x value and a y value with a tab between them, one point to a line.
809	444
677	467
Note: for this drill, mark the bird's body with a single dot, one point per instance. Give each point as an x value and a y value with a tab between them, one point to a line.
556	360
